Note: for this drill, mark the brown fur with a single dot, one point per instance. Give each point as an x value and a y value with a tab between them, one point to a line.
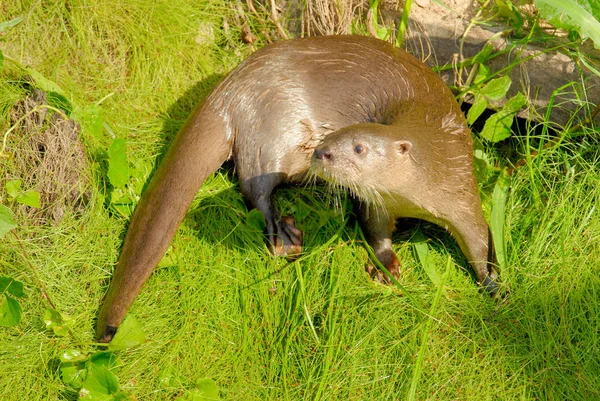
268	115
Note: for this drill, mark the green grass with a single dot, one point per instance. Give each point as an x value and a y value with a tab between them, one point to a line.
220	307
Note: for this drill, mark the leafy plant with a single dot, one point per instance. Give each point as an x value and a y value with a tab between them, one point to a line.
581	16
29	197
118	176
10	310
205	390
7	221
495	89
118	168
381	32
56	322
129	335
92	373
498	126
90	118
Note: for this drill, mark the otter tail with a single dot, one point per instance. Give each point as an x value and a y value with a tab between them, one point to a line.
470	229
197	151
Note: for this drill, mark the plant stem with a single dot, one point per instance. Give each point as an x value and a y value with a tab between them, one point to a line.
36	277
16	124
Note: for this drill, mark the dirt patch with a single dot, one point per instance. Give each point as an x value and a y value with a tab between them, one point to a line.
47	155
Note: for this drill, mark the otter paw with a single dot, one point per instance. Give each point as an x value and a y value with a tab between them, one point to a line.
288	241
491	286
380	276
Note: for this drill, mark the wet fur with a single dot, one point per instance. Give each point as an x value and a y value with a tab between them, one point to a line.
268	116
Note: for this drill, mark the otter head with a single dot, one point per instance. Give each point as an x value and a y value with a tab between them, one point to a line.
371	160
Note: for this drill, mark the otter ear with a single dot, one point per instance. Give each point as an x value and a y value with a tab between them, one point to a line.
403	147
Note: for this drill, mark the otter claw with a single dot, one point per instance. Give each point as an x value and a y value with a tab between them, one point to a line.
380	276
288	241
491	286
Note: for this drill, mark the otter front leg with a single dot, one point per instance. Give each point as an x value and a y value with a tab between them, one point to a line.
283	236
378	226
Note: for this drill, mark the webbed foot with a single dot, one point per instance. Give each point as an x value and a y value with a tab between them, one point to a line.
287	241
390	262
490	284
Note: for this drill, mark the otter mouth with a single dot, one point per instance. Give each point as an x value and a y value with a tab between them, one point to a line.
338	181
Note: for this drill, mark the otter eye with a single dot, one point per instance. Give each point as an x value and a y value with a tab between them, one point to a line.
358	149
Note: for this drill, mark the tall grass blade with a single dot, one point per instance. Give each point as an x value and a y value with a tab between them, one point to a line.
499	198
425	335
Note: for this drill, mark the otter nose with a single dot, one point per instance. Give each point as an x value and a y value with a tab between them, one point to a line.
323	154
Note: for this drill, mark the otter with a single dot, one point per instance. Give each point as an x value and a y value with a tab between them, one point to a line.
325	93
412	168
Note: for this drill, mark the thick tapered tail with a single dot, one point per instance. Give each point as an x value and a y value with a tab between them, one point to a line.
197	151
475	240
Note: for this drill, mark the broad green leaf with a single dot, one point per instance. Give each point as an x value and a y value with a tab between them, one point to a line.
515	103
497	127
30	198
122	202
478	107
104	358
56	322
6	25
13	187
571	14
206	390
120	396
499	197
7	222
256	220
73	355
12	286
118	168
482	74
10	312
52	317
497	88
422	250
73	373
129	334
507	10
209	388
90	119
44	83
99	384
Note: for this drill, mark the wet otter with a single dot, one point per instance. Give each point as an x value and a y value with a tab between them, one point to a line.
417	167
269	115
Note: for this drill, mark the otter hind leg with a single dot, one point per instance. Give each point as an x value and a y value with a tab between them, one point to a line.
285	239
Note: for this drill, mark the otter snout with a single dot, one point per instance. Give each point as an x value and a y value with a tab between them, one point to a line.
323	154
